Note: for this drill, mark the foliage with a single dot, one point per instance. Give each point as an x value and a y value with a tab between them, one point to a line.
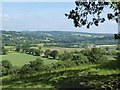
33	66
54	54
47	53
32	51
19	59
94	55
6	67
65	56
80	15
56	39
118	55
37	64
4	51
87	76
80	59
17	49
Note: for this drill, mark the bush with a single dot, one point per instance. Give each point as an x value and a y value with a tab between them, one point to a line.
6	67
47	53
4	51
32	67
94	55
80	59
37	64
65	56
54	54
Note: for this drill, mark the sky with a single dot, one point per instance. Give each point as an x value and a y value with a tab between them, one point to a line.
46	16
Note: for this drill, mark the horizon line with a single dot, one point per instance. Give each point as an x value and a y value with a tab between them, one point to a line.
57	31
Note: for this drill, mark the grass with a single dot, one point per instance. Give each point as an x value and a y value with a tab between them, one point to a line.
110	57
87	75
19	59
62	49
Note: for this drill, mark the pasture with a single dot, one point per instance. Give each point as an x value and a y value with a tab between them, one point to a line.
60	49
19	59
84	75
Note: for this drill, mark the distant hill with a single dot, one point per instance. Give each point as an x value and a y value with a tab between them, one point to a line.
58	38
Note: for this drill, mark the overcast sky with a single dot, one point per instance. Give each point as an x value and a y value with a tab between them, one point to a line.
46	16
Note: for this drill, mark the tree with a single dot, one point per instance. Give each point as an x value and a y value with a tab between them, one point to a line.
96	55
80	59
32	51
54	54
118	54
4	71
4	51
6	64
27	51
47	53
93	9
39	48
17	49
32	67
37	52
25	46
107	48
6	67
25	69
37	64
65	56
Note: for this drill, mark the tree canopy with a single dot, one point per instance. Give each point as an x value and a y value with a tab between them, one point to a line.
85	9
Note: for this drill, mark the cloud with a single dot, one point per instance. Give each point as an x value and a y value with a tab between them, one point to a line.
4	17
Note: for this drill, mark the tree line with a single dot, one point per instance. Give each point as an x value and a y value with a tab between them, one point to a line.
65	60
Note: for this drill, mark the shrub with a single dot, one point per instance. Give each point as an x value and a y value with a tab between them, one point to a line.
65	56
54	54
6	67
80	59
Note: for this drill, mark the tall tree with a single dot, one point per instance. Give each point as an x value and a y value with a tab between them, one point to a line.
88	13
93	9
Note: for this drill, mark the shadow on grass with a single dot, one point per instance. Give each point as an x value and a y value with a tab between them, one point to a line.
46	78
65	83
111	65
86	82
57	80
66	79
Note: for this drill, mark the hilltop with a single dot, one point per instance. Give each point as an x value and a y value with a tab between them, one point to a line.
56	38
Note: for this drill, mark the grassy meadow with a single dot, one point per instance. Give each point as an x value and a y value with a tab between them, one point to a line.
83	76
19	59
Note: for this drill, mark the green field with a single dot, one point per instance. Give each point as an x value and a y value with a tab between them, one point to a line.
61	49
84	75
95	75
19	59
